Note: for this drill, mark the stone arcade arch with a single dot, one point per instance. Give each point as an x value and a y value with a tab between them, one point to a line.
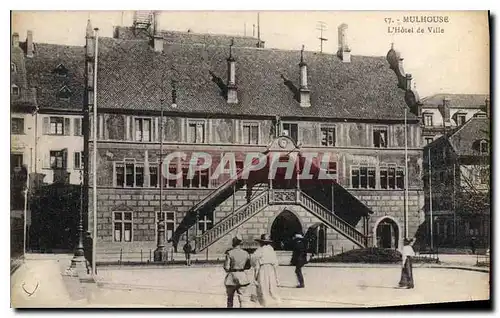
387	232
283	228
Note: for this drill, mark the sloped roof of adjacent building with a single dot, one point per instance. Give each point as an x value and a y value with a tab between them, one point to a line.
19	78
41	76
132	76
456	100
465	139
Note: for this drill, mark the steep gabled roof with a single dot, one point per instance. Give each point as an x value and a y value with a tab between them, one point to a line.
41	76
456	100
130	76
465	139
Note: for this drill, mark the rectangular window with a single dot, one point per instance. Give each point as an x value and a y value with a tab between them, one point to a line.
129	175
56	125
172	182
139	175
57	160
400	178
250	133
391	178
205	222
120	174
122	226
17	126
427	119
142	129
328	136
153	176
196	132
460	119
169	219
363	177
428	140
291	130
484	175
78	160
16	161
380	137
200	179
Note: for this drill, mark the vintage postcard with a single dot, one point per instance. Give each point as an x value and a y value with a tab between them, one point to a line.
249	159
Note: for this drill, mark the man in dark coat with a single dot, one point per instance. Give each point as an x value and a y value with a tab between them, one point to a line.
299	258
187	252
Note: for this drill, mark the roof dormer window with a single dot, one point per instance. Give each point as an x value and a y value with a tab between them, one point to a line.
13	67
64	93
60	70
460	118
15	90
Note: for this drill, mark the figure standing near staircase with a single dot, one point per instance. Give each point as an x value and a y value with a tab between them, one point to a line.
237	261
265	263
299	258
187	252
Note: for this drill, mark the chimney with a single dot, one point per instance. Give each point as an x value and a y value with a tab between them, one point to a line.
29	44
445	111
408	82
15	39
157	38
89	40
305	93
344	52
232	93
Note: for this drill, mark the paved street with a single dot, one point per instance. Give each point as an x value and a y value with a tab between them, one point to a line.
325	287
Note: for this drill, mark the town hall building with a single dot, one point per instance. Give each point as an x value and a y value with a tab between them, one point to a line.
158	94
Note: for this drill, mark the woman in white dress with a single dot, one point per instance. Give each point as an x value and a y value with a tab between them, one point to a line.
407	269
265	263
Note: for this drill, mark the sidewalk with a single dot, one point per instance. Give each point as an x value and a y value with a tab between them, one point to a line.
38	284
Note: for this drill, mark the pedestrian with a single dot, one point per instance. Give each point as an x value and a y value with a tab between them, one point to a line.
237	261
473	245
406	280
265	263
187	252
299	258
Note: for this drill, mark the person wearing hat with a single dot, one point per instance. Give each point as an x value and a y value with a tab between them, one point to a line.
406	280
236	281
299	258
265	263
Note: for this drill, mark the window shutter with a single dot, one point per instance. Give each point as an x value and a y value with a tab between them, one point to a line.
46	126
77	126
65	158
67	123
46	160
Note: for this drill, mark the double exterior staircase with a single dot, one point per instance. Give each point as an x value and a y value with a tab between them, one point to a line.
332	220
232	221
268	197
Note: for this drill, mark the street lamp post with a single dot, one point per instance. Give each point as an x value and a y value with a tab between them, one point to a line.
78	261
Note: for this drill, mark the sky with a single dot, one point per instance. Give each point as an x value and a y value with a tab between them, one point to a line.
455	61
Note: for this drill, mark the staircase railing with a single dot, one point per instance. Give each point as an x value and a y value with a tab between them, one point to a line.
333	220
232	221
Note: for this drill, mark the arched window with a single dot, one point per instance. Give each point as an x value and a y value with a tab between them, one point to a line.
13	68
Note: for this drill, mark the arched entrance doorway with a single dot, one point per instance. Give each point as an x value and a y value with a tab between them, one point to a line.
284	227
387	234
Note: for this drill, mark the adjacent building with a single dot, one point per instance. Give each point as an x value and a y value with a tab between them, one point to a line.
457	184
442	113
